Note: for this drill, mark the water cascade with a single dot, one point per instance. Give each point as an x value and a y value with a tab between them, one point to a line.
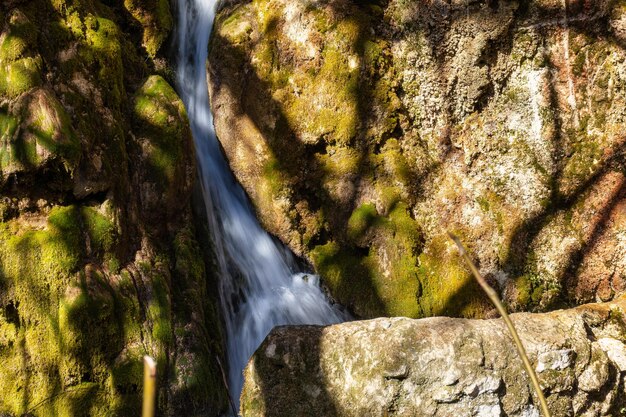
261	285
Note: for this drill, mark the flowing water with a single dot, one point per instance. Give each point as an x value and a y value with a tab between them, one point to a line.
261	285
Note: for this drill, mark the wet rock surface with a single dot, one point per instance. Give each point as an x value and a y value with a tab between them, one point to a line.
443	367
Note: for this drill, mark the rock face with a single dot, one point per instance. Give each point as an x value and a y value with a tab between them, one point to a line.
99	259
363	130
443	367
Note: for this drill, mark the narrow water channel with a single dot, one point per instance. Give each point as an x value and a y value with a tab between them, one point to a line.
261	284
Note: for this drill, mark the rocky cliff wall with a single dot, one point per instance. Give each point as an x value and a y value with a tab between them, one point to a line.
99	257
363	130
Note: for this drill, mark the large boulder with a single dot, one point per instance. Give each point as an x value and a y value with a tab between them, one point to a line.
363	130
443	367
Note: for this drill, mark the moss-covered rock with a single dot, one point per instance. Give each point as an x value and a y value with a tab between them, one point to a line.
363	131
38	135
100	263
166	147
156	20
21	66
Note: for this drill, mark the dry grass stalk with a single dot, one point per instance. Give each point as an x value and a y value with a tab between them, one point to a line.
493	296
149	387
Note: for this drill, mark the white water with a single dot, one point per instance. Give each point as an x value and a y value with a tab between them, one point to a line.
260	285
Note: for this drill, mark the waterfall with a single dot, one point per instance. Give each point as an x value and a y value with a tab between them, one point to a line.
261	285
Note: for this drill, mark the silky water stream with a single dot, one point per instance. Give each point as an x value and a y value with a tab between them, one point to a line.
261	283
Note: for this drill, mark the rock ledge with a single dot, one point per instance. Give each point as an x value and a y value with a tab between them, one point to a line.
442	367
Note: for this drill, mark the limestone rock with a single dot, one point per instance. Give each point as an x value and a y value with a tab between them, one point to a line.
442	367
362	131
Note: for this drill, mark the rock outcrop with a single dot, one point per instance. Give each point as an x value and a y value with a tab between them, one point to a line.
443	367
100	262
363	130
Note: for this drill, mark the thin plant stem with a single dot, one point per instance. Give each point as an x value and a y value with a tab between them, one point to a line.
149	387
493	296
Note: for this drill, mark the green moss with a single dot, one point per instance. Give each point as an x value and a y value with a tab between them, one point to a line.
8	127
340	161
348	30
360	220
101	230
156	103
336	81
102	49
161	114
533	290
395	164
188	257
483	203
405	228
313	227
18	154
378	91
384	280
20	69
37	264
156	20
52	127
397	271
349	278
319	99
265	59
342	82
448	287
69	325
321	21
235	27
20	76
159	309
94	326
12	48
274	179
524	291
200	375
537	294
73	22
40	134
54	251
163	27
389	196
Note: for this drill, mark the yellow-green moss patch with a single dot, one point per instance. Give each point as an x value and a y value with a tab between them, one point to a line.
161	114
360	220
155	19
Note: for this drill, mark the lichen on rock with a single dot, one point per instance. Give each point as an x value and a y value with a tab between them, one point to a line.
500	121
